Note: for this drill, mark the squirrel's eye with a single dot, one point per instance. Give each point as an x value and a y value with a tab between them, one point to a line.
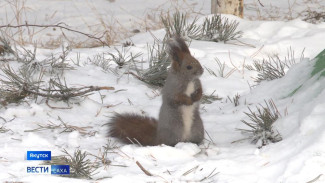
189	67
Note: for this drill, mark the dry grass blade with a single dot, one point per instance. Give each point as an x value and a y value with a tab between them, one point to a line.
44	127
315	179
212	174
190	170
220	70
4	129
235	100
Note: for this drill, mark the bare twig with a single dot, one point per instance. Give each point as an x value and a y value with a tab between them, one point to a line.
58	25
260	3
3	119
211	140
143	169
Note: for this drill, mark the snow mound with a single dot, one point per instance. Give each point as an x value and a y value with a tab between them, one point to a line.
300	97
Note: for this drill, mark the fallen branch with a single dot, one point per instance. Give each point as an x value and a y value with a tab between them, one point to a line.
72	92
18	86
58	25
64	126
136	76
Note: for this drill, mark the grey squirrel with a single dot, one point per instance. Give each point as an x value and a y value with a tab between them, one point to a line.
179	117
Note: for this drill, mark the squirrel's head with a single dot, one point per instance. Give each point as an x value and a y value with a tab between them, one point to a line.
183	63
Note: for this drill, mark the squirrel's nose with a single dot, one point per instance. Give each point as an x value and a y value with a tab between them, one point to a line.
199	71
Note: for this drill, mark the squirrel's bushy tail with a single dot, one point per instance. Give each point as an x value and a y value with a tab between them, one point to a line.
133	129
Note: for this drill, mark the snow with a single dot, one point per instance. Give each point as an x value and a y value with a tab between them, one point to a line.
298	158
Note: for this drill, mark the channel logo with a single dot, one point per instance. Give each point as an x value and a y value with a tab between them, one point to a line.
41	169
60	169
49	169
45	169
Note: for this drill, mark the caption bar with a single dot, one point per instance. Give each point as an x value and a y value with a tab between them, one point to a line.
39	155
45	169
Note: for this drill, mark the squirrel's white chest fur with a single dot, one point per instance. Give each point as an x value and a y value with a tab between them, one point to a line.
187	112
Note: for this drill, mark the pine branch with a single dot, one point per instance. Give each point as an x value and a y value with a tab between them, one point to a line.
80	165
156	74
261	124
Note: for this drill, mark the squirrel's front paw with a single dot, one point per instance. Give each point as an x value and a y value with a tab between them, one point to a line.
182	99
188	101
197	95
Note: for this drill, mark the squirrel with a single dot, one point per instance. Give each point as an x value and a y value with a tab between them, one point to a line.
179	116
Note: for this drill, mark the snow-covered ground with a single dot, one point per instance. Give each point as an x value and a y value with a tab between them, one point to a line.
299	157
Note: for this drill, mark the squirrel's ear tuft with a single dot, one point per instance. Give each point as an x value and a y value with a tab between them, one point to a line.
177	48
